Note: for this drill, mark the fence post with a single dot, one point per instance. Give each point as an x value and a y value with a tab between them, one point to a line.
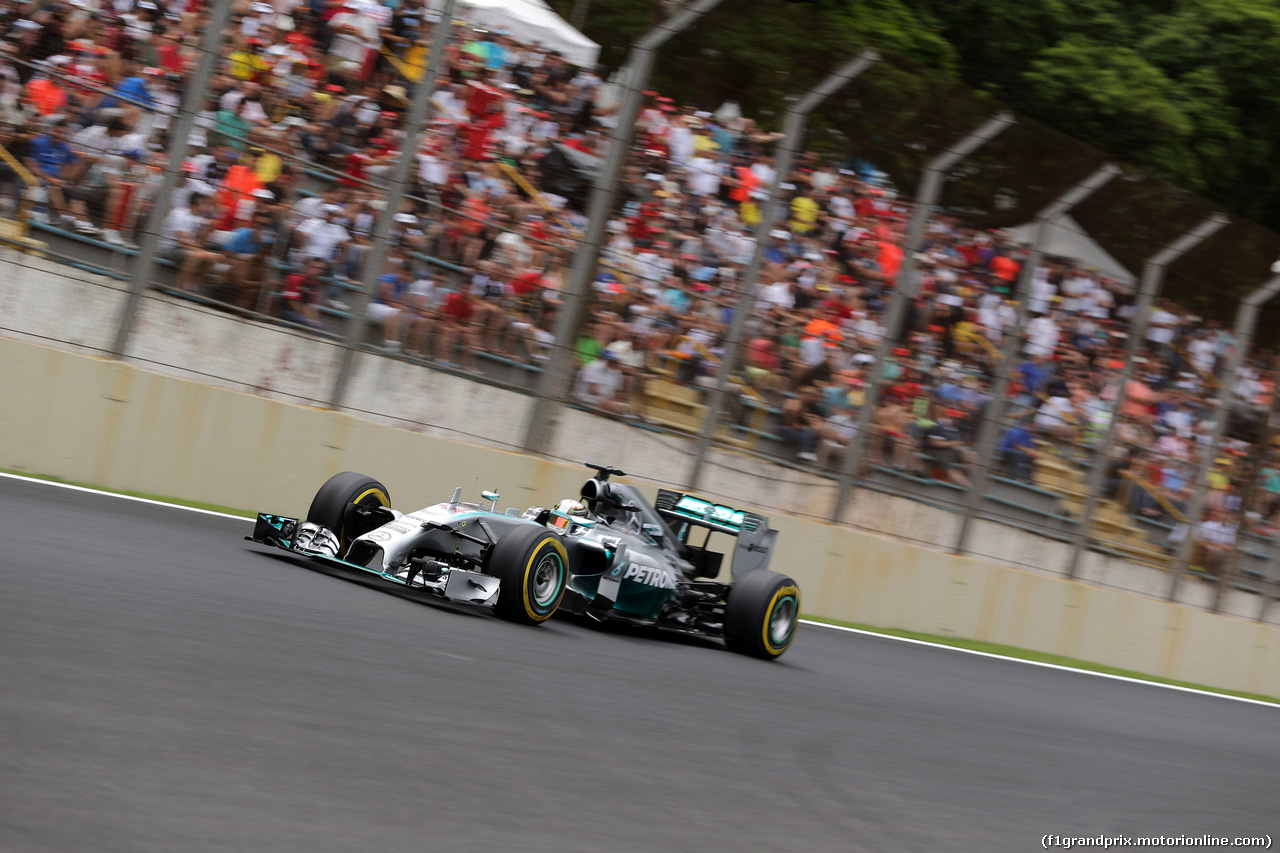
926	196
1009	351
1271	580
554	387
419	108
179	132
793	128
1152	278
1265	437
1246	320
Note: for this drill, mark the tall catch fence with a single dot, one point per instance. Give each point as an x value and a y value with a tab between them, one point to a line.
890	289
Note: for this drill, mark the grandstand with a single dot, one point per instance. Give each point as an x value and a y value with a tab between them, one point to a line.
285	176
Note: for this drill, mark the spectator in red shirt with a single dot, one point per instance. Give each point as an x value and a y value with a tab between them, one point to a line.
479	132
528	285
300	301
1005	268
457	317
47	95
481	99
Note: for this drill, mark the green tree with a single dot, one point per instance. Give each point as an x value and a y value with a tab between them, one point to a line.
1188	90
1225	55
759	52
1113	98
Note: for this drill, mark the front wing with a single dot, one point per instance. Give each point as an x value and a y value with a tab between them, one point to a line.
452	585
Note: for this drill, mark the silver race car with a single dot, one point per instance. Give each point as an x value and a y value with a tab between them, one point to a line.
608	555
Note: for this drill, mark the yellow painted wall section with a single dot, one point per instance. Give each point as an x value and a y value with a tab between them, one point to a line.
121	427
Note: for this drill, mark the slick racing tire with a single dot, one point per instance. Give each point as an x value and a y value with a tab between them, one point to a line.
762	613
337	504
533	566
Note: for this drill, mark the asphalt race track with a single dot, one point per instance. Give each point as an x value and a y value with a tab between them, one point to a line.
167	686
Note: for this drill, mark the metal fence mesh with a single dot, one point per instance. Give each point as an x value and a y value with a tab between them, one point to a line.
266	285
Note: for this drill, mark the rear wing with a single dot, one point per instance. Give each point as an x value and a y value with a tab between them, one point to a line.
756	539
681	508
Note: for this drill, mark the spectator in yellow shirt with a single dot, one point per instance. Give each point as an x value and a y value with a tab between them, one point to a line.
965	335
702	139
804	212
246	62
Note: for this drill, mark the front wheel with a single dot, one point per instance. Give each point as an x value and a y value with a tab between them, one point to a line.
343	505
533	566
762	613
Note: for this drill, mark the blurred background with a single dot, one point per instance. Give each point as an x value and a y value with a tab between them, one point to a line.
990	277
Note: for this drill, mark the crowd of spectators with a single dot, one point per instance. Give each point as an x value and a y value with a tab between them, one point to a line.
311	88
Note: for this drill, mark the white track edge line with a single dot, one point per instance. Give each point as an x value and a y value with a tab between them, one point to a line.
133	498
1044	664
845	628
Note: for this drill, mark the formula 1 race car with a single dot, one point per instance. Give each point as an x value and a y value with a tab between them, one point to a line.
608	555
653	572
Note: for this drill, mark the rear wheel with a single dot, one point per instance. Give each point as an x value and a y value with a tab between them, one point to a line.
343	505
762	613
533	566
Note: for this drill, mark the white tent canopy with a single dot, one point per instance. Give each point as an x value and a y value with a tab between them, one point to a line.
1068	240
530	21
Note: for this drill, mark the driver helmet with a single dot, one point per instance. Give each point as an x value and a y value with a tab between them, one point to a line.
572	507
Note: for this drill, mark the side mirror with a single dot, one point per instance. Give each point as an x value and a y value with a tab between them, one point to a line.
653	531
492	497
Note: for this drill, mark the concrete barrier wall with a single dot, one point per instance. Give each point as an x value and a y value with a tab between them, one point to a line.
121	427
47	302
42	300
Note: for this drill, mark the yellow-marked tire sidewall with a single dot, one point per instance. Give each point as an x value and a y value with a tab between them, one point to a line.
535	557
514	561
789	591
375	492
753	602
383	500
